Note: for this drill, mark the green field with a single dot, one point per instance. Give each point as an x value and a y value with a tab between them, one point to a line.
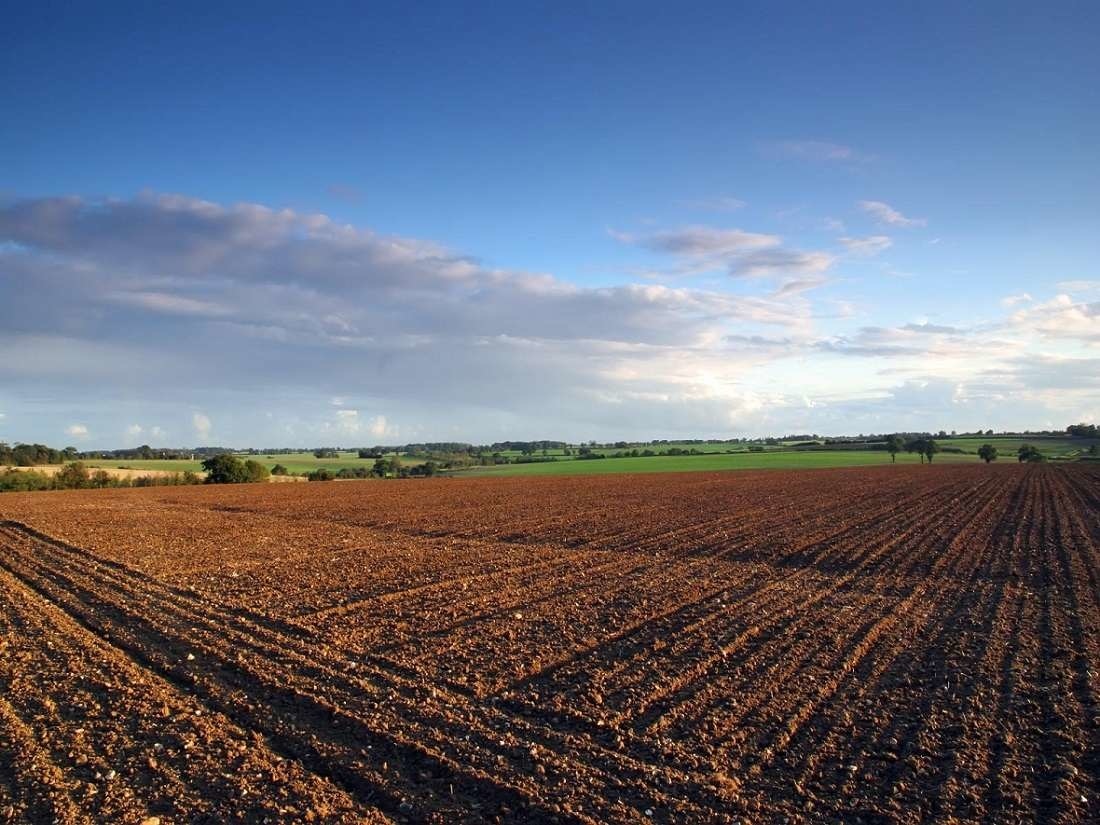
1050	446
719	456
728	461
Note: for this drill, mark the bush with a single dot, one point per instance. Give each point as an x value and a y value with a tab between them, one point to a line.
72	477
353	472
321	474
256	471
279	470
22	481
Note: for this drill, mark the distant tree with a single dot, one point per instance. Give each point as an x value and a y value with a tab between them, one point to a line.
321	474
987	453
1030	453
326	452
1094	449
225	469
279	470
1083	430
930	449
387	467
894	445
916	445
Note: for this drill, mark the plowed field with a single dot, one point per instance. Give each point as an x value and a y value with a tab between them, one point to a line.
896	644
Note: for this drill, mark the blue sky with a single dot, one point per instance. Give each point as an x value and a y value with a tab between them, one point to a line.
556	220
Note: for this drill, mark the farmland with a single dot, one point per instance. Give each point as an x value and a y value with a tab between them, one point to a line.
886	644
740	460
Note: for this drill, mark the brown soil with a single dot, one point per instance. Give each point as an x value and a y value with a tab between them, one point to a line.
895	644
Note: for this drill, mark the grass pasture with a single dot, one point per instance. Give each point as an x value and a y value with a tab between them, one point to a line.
1050	446
725	461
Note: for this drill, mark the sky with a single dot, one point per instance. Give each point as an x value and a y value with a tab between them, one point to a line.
351	224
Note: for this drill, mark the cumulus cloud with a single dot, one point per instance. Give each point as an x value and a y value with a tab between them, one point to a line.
884	213
1062	317
866	247
77	431
380	428
276	298
950	347
171	302
202	426
739	253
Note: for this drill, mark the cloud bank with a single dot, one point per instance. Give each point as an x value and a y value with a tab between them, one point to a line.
240	324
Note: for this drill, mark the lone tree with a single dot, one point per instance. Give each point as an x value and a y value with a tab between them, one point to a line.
1029	453
987	453
226	469
894	445
930	449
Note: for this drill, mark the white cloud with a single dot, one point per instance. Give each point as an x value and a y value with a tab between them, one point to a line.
202	426
1060	318
722	203
866	247
739	253
816	150
379	428
884	213
702	241
1013	300
77	431
1079	286
351	321
347	421
170	304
